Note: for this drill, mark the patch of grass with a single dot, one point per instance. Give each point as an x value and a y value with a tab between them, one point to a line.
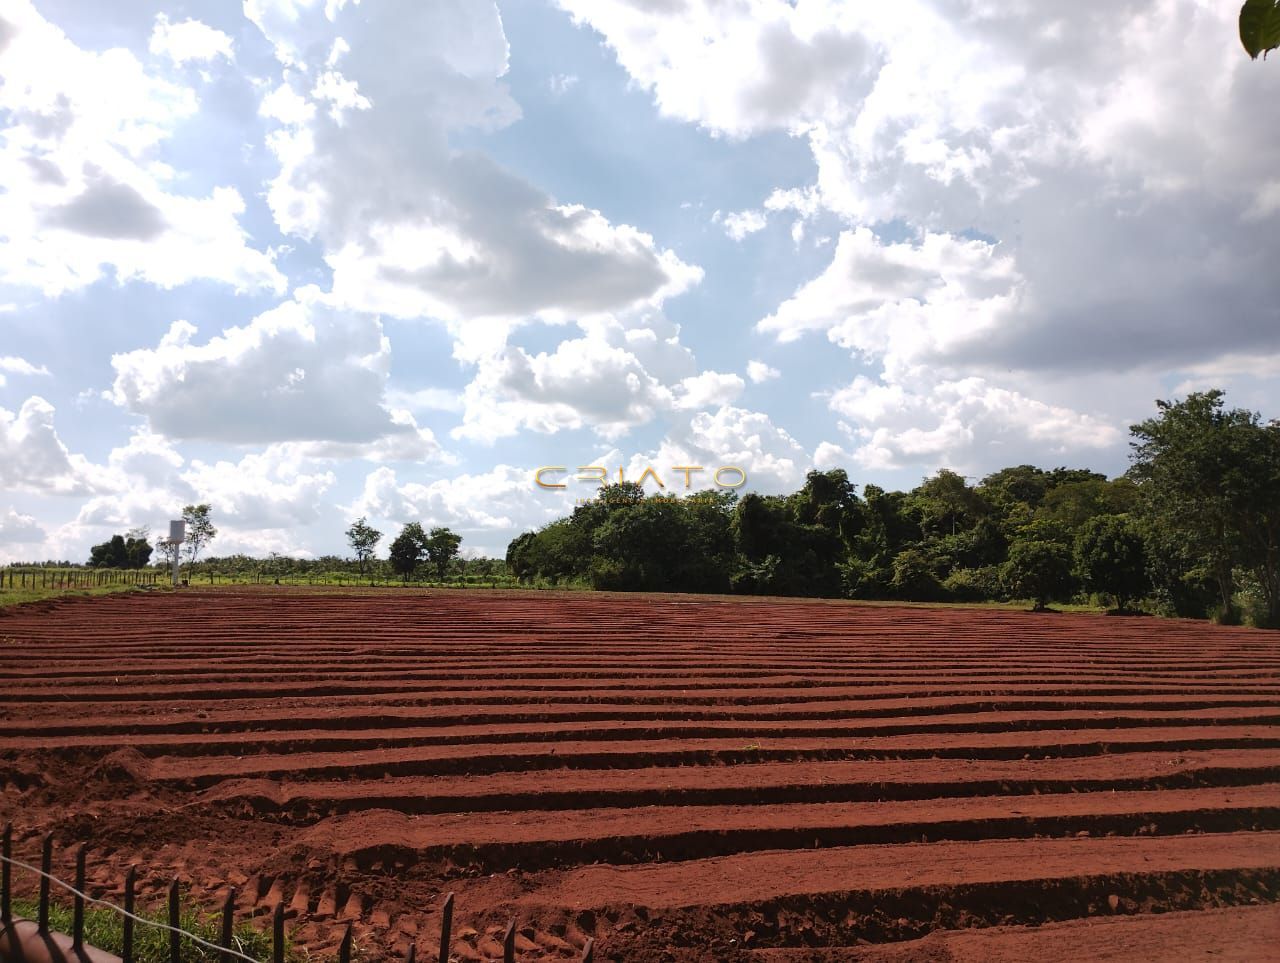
22	596
104	929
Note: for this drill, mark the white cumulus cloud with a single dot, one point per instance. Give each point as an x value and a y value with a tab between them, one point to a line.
302	371
188	40
86	195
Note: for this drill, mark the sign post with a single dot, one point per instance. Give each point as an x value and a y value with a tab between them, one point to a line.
177	535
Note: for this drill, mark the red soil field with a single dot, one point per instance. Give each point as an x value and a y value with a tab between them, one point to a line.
681	778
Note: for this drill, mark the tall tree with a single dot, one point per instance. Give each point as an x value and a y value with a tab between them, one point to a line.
945	504
122	551
1038	570
406	550
137	547
441	547
522	556
110	554
1212	477
828	499
169	551
363	539
200	530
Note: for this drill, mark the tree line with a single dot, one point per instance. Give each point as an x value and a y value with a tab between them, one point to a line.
1191	529
414	547
409	550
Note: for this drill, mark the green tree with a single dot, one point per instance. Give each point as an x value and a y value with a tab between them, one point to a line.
168	551
520	556
663	543
406	550
137	547
1211	477
441	548
1022	485
760	526
1181	584
1038	570
1072	504
945	505
914	579
806	557
110	554
200	530
122	551
1111	558
363	539
828	499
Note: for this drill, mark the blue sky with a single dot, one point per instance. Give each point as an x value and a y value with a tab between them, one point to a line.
308	261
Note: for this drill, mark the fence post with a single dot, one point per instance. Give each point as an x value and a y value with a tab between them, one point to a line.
228	914
46	867
344	950
6	847
130	881
446	926
175	938
77	911
277	934
509	943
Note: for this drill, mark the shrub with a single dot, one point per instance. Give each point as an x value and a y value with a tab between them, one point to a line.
975	584
914	578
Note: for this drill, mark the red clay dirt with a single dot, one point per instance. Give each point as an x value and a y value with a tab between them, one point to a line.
680	778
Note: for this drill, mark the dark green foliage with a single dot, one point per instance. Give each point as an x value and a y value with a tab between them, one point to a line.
441	547
1111	558
944	505
407	550
914	577
1038	570
1260	26
663	544
122	551
1193	525
1181	584
1073	504
520	556
975	584
1210	481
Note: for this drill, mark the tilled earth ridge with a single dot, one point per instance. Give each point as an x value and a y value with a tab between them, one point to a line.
677	777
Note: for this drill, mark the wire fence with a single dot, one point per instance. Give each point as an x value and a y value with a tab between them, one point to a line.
16	579
37	947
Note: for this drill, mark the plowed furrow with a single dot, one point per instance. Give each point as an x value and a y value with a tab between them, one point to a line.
534	841
323	740
734	777
483	758
760	878
761	784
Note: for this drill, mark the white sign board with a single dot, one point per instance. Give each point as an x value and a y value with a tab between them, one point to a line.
178	531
